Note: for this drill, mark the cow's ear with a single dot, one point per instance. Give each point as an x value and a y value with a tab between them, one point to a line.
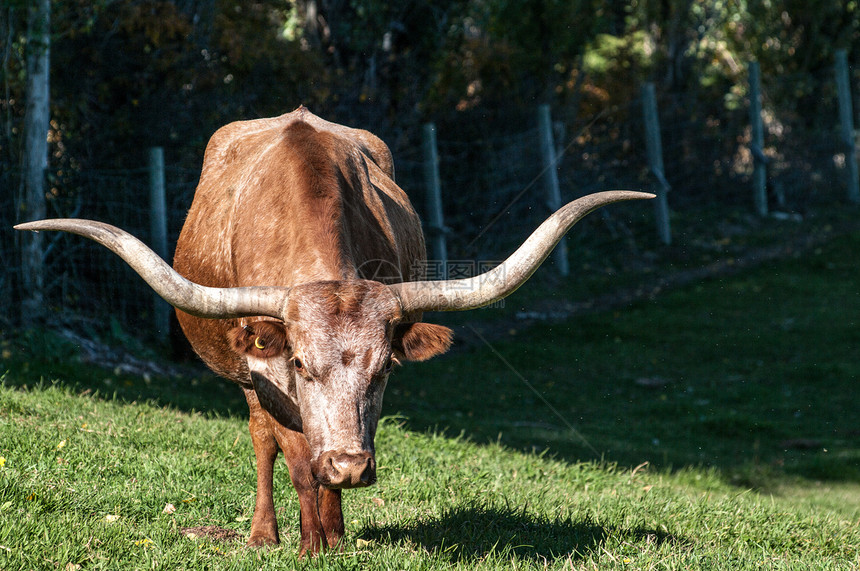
261	339
420	341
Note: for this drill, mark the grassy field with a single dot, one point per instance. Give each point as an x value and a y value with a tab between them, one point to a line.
717	426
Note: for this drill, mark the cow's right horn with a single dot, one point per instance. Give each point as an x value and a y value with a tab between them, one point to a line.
202	301
504	279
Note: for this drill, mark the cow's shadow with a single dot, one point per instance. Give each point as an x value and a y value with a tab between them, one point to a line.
474	533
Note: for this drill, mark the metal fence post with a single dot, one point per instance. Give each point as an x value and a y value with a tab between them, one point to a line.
550	177
436	227
654	147
757	141
158	231
846	119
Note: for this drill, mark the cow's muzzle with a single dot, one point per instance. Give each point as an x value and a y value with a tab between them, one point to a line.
340	470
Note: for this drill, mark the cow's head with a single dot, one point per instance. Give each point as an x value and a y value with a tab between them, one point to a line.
324	368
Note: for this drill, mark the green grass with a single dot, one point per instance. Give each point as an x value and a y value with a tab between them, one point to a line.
752	374
86	482
713	427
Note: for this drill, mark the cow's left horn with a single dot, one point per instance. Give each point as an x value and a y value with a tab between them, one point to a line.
504	279
202	301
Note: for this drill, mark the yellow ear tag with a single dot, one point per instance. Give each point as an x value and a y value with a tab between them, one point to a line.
258	343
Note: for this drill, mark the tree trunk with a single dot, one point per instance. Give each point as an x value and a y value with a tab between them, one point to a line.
35	156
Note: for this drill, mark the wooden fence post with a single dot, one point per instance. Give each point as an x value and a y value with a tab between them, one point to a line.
757	141
550	177
846	119
158	232
436	219
654	147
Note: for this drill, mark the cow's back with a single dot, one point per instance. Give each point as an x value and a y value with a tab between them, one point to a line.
287	200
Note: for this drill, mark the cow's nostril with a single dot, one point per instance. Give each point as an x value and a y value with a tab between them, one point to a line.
368	474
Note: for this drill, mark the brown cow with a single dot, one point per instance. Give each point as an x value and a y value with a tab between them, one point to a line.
291	280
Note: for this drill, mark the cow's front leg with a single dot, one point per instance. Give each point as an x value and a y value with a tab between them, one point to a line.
321	515
264	526
331	515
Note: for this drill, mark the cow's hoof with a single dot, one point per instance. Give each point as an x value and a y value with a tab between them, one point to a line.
312	549
262	540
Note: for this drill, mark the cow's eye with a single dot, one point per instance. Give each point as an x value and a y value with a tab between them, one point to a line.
389	364
297	363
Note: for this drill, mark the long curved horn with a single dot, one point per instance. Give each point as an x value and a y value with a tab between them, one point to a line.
504	279
198	300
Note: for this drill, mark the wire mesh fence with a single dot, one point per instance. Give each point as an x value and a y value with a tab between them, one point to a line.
493	196
84	283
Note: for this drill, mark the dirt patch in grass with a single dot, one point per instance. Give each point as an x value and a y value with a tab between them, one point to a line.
212	533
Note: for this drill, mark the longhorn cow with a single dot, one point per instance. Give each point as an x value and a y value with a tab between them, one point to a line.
291	279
